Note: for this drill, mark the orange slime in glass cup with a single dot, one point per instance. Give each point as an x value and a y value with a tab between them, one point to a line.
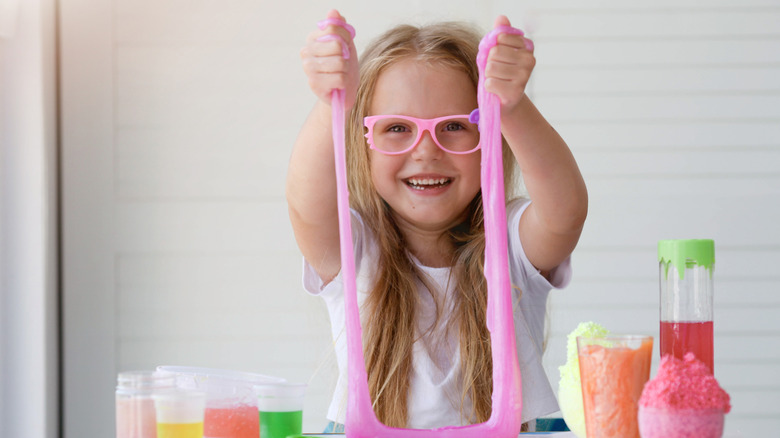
612	381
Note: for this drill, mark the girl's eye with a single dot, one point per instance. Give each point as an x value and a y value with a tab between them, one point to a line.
453	126
397	128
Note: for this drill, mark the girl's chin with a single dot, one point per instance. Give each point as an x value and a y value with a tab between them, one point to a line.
429	219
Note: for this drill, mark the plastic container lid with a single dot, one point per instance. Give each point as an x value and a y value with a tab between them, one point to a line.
280	397
143	381
219	384
687	252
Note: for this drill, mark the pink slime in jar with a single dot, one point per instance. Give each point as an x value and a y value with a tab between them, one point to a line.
683	400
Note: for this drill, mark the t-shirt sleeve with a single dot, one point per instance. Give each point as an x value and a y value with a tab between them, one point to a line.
530	313
313	284
531	278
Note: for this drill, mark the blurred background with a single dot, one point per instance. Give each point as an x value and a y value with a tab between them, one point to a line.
143	153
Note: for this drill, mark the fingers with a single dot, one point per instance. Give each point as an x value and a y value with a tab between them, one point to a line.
335	18
334	30
333	13
325	67
512	55
509	56
329	57
509	65
333	25
515	41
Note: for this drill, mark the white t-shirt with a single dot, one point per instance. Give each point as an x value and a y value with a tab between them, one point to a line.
435	389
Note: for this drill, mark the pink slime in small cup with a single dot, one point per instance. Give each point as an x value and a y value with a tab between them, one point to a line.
505	419
684	400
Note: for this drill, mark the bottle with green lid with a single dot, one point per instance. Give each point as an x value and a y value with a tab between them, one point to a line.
686	286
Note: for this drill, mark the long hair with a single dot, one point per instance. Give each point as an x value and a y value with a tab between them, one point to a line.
389	327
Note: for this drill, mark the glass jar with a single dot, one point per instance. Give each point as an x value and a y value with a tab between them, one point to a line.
135	413
686	286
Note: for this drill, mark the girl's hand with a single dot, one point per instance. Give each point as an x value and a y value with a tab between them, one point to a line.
325	65
509	66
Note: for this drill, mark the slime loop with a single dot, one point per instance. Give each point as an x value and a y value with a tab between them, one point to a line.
505	419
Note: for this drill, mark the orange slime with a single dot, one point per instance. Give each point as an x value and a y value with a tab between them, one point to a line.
612	382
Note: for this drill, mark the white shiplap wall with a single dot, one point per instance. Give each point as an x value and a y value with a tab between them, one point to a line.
672	110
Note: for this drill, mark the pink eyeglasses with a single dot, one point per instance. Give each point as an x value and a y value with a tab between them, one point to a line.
396	135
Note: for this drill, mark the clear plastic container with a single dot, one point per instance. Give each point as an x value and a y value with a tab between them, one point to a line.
686	287
231	403
680	423
281	409
135	412
180	413
613	371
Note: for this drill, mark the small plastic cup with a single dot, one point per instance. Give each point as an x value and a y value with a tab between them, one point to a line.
231	403
280	408
180	414
680	423
613	371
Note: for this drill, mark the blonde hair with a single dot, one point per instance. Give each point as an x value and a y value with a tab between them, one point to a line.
389	329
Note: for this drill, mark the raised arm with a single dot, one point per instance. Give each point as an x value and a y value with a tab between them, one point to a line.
311	177
552	225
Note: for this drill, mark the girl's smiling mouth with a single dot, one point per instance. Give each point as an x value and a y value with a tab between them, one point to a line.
418	183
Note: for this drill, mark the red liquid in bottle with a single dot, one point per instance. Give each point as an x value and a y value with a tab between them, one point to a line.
678	338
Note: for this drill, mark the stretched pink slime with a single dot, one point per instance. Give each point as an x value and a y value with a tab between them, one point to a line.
505	419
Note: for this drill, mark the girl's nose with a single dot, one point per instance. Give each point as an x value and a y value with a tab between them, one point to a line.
426	148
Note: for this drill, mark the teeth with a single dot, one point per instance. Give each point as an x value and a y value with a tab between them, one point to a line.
428	181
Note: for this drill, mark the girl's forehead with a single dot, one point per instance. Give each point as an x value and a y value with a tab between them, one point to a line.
422	89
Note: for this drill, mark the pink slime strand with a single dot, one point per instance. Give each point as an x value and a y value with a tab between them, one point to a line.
359	402
505	419
322	24
507	388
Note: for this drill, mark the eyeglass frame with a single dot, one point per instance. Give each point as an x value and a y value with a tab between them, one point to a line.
422	126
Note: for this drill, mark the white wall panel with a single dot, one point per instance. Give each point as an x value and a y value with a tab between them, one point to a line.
641	134
654	80
208	85
568	6
597	108
231	162
228	226
659	23
654	51
680	162
671	110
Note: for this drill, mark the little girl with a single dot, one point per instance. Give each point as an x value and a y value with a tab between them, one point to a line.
414	179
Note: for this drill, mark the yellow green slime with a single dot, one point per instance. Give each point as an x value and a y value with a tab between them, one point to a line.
570	387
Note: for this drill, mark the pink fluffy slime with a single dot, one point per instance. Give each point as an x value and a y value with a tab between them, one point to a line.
684	384
683	401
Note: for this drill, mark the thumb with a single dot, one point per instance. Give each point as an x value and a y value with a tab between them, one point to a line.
333	13
501	20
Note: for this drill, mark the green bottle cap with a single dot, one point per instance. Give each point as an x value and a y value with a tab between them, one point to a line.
686	253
